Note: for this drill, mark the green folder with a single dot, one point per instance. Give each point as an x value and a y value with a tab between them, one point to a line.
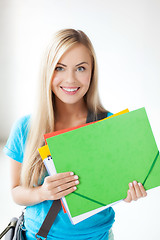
106	156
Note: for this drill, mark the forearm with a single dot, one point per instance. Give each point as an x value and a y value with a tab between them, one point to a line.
53	188
27	196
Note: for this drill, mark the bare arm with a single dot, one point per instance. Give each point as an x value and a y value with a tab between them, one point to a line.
54	187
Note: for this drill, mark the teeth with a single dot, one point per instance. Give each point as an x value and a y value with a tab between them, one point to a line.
70	89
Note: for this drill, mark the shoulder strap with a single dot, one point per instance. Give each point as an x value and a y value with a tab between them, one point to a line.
49	220
91	117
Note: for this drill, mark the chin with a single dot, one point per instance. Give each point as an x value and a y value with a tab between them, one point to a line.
70	102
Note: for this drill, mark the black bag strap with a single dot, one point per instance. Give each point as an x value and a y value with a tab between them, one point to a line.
49	219
56	205
91	117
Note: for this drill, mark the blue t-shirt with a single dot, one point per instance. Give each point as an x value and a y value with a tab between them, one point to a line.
95	227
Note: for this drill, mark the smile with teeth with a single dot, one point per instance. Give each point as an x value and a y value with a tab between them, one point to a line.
70	90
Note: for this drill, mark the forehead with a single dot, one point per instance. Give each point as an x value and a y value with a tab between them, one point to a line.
76	54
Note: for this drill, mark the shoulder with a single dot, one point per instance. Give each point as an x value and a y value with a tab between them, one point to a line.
109	114
20	127
15	145
22	124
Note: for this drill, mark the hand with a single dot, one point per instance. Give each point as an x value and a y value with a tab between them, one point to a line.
58	186
136	191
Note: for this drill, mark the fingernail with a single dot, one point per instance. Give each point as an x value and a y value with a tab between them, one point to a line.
140	184
74	188
71	173
134	182
130	184
76	182
76	177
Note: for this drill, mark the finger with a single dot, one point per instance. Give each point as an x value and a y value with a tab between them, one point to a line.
60	176
143	191
65	180
137	190
64	193
132	191
57	183
128	198
66	186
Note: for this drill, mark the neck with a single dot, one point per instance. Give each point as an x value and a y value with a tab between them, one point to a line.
69	112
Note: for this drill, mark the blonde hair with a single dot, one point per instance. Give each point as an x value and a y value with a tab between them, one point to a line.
42	120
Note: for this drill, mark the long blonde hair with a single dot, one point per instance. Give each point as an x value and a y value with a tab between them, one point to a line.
42	120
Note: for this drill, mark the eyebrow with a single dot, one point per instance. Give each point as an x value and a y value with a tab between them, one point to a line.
76	65
81	63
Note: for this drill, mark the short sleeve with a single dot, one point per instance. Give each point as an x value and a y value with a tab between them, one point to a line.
16	142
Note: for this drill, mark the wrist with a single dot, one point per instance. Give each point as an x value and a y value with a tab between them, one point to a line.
40	194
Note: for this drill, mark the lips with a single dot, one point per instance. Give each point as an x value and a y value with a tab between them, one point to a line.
70	90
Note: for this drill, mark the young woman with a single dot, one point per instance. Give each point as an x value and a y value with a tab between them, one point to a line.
68	97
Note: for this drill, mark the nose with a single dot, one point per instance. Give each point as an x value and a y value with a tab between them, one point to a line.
70	78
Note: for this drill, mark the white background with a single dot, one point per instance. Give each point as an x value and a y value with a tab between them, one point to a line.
126	37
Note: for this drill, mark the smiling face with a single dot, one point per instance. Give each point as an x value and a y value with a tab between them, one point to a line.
72	75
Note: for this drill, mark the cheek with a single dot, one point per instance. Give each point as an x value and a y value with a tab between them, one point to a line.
85	80
55	81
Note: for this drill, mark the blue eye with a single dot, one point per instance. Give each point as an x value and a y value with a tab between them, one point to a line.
80	69
59	69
